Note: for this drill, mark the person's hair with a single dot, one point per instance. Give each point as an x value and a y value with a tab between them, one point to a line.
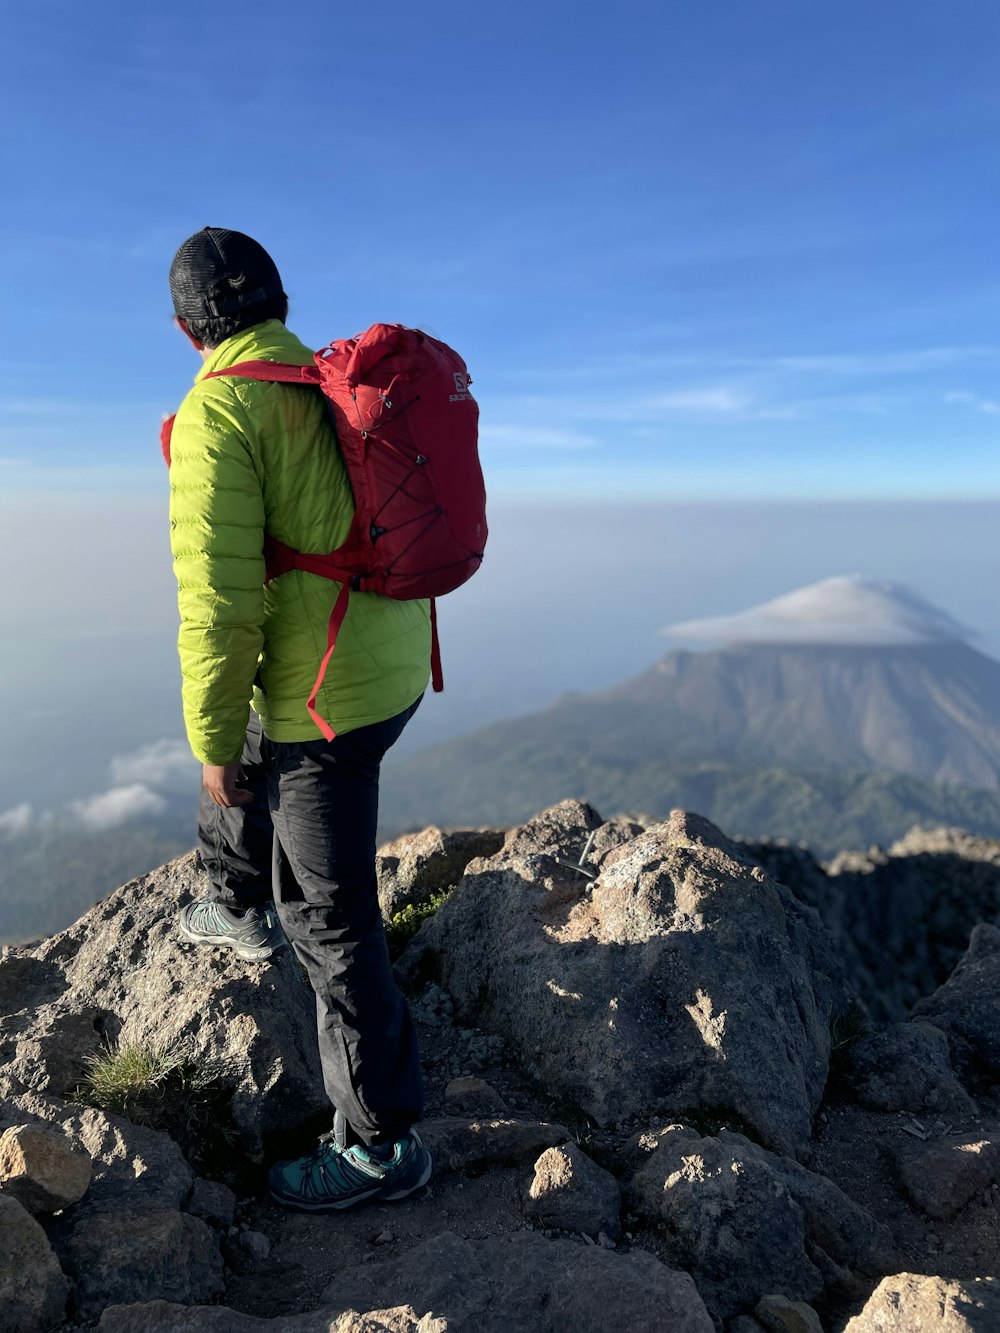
215	329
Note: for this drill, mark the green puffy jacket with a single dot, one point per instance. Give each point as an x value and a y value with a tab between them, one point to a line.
249	457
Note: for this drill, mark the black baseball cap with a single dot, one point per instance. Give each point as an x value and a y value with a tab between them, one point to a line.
220	272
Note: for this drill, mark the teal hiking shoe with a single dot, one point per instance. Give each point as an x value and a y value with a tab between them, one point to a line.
333	1177
253	933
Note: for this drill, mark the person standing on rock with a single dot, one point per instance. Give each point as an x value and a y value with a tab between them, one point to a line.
287	819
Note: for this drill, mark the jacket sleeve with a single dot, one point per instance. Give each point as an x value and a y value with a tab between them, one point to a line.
217	539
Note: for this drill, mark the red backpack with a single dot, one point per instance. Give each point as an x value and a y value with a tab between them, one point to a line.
408	431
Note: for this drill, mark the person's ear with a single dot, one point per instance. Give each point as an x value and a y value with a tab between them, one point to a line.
182	324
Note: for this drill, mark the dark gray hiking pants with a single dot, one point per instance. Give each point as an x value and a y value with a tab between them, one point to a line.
310	833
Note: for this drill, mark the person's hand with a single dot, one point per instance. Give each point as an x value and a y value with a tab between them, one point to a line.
222	782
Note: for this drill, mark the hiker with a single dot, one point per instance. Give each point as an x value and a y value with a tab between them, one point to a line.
288	817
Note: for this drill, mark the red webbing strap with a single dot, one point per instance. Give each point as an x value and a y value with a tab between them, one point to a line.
332	630
437	679
277	372
166	430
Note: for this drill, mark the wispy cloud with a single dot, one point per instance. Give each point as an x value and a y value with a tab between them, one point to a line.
162	763
17	819
118	806
913	361
526	435
717	400
987	405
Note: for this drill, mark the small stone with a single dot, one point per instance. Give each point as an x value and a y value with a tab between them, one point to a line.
605	1241
780	1315
246	1251
256	1244
475	1095
42	1169
384	1238
213	1203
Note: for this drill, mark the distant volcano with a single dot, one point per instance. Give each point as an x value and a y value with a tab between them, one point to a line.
849	676
847	610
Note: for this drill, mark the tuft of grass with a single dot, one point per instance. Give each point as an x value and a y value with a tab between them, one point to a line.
166	1088
847	1028
403	925
126	1079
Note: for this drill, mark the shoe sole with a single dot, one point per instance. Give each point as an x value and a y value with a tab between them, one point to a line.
331	1206
253	955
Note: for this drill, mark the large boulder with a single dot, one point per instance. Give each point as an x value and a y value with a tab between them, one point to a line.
122	975
901	916
142	1254
42	1168
418	865
967	1006
525	1282
572	1193
906	1067
33	1288
169	1317
682	976
915	1303
745	1222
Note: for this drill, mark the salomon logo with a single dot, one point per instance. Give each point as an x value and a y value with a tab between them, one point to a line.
461	393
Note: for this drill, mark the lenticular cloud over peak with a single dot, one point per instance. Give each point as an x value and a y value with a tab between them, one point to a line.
851	609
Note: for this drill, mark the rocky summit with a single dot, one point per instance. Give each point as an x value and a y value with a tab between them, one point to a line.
675	1082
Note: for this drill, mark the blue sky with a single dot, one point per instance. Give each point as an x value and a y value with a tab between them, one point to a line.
688	250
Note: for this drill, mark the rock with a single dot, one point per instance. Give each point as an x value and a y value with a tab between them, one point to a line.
525	1282
779	1315
246	1251
966	1006
212	1202
165	1317
941	1176
51	1047
901	917
401	1319
131	1164
475	1095
33	1288
142	1254
744	1222
42	1169
572	1193
745	1323
122	974
906	1067
455	1143
415	867
913	1303
681	937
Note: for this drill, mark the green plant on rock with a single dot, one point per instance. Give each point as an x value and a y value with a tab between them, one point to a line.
123	1078
404	924
165	1087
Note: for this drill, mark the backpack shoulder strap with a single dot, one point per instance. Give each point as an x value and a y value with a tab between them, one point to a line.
275	371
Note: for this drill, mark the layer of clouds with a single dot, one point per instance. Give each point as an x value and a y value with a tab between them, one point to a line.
142	781
845	610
